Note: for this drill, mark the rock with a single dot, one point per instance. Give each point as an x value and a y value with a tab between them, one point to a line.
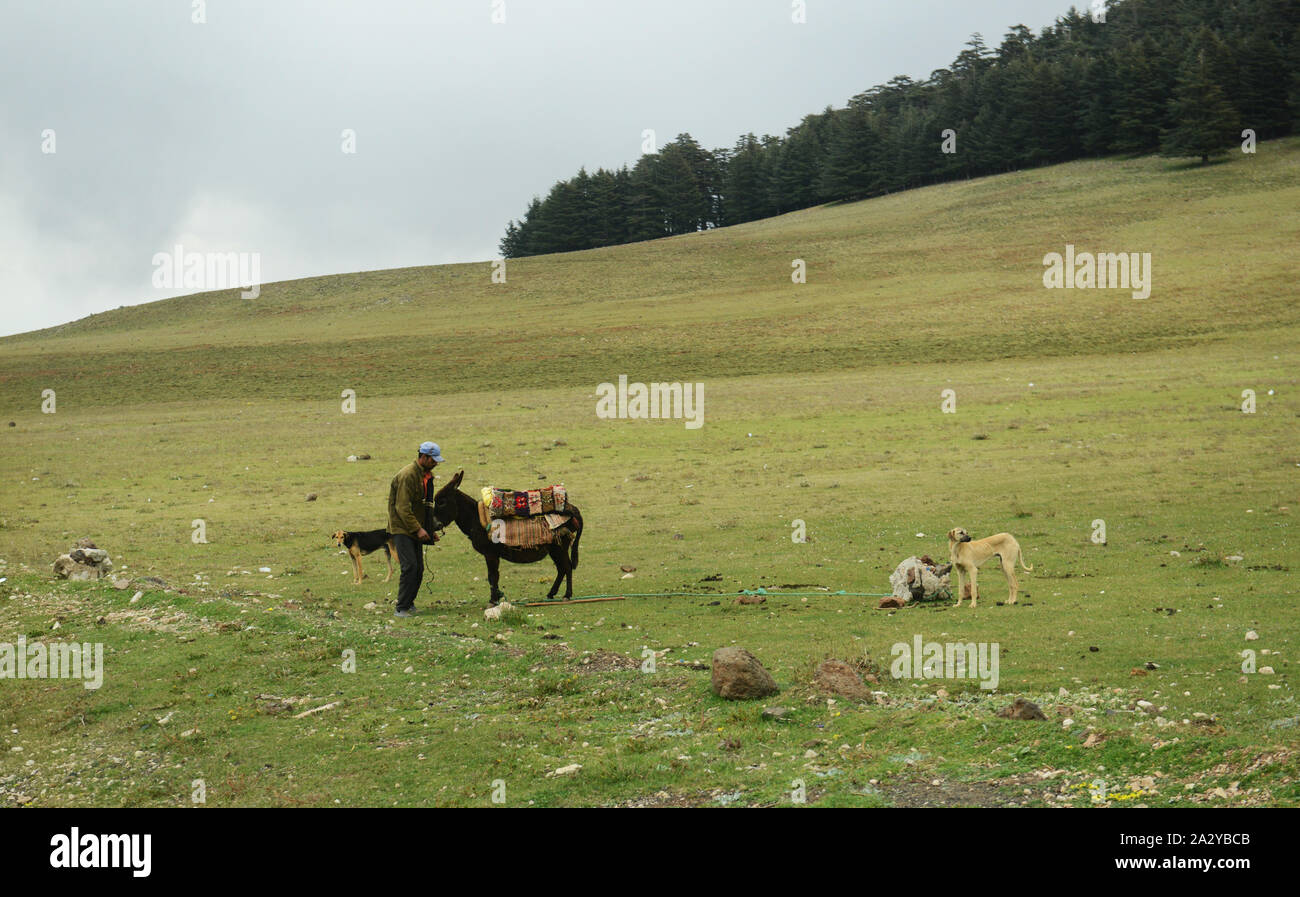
352	457
121	584
890	602
737	675
369	605
838	678
1266	671
1092	740
136	597
626	576
1146	706
311	496
627	568
1152	666
1252	635
777	713
67	568
83	542
362	456
100	621
1023	710
751	599
566	770
89	555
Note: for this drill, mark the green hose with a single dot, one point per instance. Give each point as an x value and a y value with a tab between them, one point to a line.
759	591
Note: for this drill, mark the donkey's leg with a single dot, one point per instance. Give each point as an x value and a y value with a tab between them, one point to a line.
568	571
561	563
494	576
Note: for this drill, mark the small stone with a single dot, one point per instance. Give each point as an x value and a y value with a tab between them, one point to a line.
777	713
1251	635
810	754
1266	671
136	597
311	496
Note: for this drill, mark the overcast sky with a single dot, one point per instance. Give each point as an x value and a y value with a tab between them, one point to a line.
228	135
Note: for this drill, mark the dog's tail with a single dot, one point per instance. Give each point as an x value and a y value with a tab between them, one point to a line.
1022	561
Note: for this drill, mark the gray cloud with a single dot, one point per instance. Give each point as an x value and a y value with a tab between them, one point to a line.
226	136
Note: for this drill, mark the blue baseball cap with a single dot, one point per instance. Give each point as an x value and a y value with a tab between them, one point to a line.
431	449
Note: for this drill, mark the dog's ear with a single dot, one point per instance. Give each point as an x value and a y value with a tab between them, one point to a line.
952	535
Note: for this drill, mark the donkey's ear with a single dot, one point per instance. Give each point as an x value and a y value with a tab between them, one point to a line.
460	475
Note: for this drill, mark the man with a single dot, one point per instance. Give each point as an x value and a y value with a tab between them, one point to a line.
410	500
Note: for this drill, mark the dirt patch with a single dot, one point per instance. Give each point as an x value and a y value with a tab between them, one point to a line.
1003	793
605	662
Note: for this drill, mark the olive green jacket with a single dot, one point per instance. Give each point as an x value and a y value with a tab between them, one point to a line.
406	503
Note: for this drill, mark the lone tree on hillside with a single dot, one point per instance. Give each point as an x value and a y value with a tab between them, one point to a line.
1204	122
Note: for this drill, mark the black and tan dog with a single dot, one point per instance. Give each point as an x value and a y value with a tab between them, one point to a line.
359	544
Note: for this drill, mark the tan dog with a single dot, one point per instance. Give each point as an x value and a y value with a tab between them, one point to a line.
967	554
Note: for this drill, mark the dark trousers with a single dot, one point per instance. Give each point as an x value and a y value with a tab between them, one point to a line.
411	556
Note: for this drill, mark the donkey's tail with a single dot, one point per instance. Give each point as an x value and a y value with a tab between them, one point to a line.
577	521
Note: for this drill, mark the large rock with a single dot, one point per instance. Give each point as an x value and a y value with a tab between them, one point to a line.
838	678
737	675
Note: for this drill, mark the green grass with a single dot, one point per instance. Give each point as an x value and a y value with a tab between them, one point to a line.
822	404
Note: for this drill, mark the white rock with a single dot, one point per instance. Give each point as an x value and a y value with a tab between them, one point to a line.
1267	671
567	770
136	597
1251	635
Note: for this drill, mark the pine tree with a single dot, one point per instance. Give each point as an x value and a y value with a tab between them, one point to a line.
1204	122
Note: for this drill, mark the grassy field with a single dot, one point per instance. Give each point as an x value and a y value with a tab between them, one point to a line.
822	405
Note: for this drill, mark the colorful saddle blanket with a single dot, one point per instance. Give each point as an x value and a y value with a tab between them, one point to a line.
530	503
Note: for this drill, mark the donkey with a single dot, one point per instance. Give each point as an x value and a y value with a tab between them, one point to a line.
450	505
